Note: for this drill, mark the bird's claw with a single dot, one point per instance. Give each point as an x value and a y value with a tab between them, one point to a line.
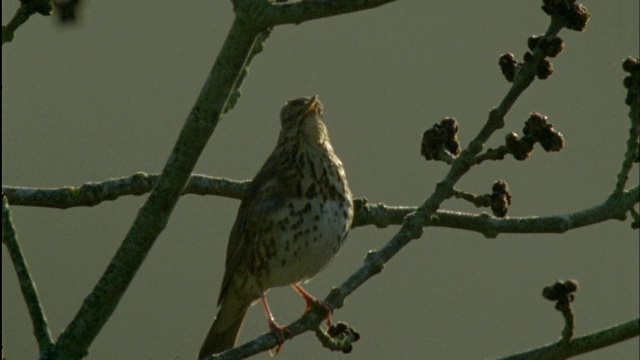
283	333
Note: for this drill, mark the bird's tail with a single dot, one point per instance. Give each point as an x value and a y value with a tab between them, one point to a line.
226	326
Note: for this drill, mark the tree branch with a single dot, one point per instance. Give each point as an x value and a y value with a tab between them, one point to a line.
24	12
377	214
94	193
154	214
28	287
583	344
301	11
632	145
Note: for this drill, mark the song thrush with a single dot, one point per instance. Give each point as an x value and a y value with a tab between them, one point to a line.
292	221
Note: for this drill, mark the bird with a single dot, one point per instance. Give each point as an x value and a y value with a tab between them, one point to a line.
293	219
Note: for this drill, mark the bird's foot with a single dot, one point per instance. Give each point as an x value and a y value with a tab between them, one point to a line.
324	305
310	300
282	333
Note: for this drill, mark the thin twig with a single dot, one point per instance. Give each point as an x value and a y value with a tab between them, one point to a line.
632	147
582	344
94	193
28	287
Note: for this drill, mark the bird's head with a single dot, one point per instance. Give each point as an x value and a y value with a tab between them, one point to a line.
303	117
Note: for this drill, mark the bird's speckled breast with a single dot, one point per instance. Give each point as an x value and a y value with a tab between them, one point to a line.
311	226
308	240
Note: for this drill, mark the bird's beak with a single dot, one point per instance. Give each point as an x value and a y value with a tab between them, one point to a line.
313	105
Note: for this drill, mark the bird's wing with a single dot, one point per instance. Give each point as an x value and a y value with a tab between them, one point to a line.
264	196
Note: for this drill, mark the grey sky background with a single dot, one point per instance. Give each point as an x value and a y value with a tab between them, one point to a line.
107	99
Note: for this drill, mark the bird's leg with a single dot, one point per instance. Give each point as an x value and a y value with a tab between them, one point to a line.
281	331
311	300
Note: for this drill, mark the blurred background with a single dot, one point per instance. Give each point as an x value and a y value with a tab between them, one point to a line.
107	98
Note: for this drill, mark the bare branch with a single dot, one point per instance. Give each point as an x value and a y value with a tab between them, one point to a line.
94	193
24	12
268	13
631	154
154	214
614	207
377	214
28	287
582	344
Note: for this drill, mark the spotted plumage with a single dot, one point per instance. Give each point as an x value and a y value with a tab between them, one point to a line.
292	221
